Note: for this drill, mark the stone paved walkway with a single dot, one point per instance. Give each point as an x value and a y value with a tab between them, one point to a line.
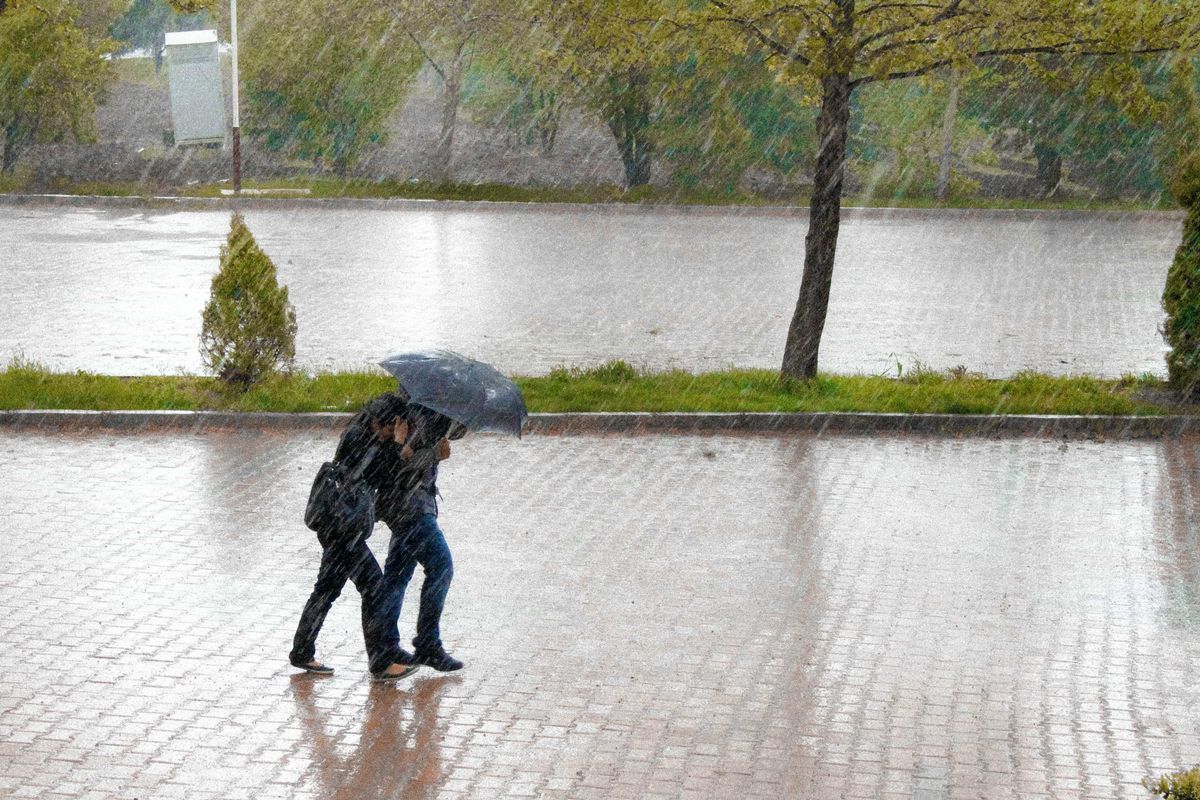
120	291
642	617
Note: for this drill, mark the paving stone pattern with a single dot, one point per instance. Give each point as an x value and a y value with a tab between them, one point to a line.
642	617
120	291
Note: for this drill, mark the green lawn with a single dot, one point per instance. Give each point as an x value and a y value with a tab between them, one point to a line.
614	387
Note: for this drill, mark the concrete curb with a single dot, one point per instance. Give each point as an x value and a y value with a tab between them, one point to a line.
954	425
848	212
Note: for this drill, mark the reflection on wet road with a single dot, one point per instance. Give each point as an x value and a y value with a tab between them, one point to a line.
528	288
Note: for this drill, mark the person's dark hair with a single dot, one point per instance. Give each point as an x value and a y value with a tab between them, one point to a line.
384	410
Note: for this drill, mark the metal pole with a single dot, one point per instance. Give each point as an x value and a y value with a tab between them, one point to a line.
237	122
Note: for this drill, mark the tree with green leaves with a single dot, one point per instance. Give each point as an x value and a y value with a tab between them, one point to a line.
724	115
902	139
249	326
448	34
52	72
146	23
611	59
1068	115
508	92
833	48
1181	296
320	80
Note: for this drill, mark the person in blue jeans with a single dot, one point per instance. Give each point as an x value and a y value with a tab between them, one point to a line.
409	509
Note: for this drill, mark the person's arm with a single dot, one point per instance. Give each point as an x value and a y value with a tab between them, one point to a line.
427	456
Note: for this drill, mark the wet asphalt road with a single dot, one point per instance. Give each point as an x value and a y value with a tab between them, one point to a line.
120	291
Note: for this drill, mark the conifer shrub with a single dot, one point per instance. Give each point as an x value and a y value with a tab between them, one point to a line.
249	327
1181	297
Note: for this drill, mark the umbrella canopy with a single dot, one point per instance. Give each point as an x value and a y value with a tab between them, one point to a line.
467	391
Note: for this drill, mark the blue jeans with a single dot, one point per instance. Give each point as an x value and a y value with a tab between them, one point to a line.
416	540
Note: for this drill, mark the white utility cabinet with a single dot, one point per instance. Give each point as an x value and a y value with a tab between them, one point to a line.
197	92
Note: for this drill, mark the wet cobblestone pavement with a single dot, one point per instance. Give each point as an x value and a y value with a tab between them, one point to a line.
642	617
120	291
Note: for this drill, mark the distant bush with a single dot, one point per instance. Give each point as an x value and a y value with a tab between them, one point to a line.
1180	786
249	327
1181	297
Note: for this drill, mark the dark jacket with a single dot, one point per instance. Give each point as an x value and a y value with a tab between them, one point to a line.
402	488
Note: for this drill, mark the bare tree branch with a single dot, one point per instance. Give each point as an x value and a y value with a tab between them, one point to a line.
425	53
1062	47
950	11
882	6
748	25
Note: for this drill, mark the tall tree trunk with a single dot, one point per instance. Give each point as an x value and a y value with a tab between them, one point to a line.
1049	167
12	147
546	120
948	120
824	223
160	45
629	120
450	98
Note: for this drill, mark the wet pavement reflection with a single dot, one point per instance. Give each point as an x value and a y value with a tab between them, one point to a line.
670	616
120	291
395	753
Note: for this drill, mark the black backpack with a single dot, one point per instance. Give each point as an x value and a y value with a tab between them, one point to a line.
340	504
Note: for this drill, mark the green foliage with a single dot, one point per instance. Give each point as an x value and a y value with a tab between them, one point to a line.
922	391
26	384
1180	120
507	95
609	58
697	129
321	79
723	116
895	140
1180	786
614	371
782	126
610	387
1181	302
1116	120
249	327
145	24
52	72
1185	183
196	6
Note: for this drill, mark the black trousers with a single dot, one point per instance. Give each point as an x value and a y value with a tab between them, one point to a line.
343	560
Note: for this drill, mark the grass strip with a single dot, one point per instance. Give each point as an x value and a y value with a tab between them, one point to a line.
615	387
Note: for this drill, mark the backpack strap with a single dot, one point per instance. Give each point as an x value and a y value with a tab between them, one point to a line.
362	465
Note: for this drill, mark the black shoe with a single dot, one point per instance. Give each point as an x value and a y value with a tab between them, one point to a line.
313	666
439	660
403	672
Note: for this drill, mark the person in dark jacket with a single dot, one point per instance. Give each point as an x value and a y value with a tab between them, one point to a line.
372	434
408	507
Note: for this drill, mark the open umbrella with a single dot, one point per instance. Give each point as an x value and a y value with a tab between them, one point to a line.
469	392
